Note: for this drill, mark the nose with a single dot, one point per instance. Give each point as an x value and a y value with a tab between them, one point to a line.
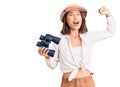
75	16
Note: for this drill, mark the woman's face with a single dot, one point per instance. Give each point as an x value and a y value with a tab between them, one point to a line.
74	19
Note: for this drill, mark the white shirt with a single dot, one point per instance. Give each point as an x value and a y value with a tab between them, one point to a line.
64	53
77	53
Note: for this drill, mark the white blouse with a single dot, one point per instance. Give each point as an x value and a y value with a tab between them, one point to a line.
77	53
68	56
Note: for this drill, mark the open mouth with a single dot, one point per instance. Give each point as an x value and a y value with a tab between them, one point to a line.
75	23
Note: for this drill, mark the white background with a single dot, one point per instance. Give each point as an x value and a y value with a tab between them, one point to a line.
23	21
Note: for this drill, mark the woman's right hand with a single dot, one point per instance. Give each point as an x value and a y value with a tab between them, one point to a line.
43	52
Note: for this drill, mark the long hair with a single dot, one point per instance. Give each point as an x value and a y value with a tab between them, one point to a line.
66	29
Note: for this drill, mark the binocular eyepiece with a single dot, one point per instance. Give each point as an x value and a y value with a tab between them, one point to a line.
46	40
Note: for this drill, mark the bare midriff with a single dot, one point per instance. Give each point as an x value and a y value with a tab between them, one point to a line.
83	73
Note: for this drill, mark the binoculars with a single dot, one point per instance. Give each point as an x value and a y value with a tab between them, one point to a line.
46	40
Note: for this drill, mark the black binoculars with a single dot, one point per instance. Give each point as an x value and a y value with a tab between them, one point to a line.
46	40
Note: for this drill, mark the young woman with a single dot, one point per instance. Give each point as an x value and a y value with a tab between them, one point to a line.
74	50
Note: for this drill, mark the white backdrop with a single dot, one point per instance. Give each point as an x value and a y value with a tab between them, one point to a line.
21	24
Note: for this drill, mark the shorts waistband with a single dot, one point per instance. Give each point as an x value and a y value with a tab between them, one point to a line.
66	75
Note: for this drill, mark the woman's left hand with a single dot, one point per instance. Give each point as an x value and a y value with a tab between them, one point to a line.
104	11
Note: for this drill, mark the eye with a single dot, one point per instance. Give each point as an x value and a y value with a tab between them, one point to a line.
70	14
78	13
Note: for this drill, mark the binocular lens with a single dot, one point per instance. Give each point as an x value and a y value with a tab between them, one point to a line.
43	44
51	53
42	37
56	40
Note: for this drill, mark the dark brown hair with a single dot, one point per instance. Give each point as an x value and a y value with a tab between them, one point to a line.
66	29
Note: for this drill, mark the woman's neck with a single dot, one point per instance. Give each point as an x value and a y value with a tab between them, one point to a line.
75	39
74	34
